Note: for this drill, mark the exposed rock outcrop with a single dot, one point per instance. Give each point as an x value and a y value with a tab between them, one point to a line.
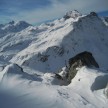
106	19
93	14
82	59
58	76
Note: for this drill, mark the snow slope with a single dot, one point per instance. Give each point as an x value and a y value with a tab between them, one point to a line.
22	91
30	55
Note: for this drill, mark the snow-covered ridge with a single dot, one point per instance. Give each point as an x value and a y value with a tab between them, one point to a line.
71	36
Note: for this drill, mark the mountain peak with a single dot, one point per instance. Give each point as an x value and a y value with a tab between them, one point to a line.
92	14
72	14
11	22
13	26
22	23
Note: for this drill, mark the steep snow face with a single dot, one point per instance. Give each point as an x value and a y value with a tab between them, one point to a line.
63	40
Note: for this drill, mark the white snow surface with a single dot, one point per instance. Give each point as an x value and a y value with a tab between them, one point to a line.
30	55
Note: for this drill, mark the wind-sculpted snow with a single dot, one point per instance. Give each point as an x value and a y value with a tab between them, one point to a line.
31	55
20	90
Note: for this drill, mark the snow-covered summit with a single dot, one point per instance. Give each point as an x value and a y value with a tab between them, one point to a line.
72	14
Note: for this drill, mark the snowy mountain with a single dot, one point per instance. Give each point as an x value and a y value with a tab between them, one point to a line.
12	27
30	55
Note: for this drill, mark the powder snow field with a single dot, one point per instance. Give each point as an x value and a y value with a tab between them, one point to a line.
29	57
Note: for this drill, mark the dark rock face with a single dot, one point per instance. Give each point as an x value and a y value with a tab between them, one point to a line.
82	59
93	13
12	22
58	76
106	19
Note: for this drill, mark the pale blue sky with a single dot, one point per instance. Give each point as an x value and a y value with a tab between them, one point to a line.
35	11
